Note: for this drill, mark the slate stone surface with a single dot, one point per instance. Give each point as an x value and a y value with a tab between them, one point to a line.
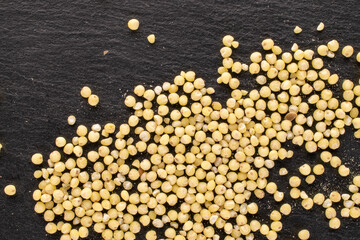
50	49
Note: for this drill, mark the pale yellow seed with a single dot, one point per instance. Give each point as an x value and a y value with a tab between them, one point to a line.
10	190
330	213
227	40
151	38
256	57
320	27
235	44
93	100
356	181
334	223
323	50
276	50
283	171
344	171
85	92
37	158
297	30
347	51
318	169
333	79
307	203
51	228
333	45
294	181
133	24
139	90
151	235
267	44
295	47
304	234
319	199
285	209
60	141
225	52
71	120
305	169
310	179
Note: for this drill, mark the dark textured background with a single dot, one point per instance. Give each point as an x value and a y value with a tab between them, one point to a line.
48	51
